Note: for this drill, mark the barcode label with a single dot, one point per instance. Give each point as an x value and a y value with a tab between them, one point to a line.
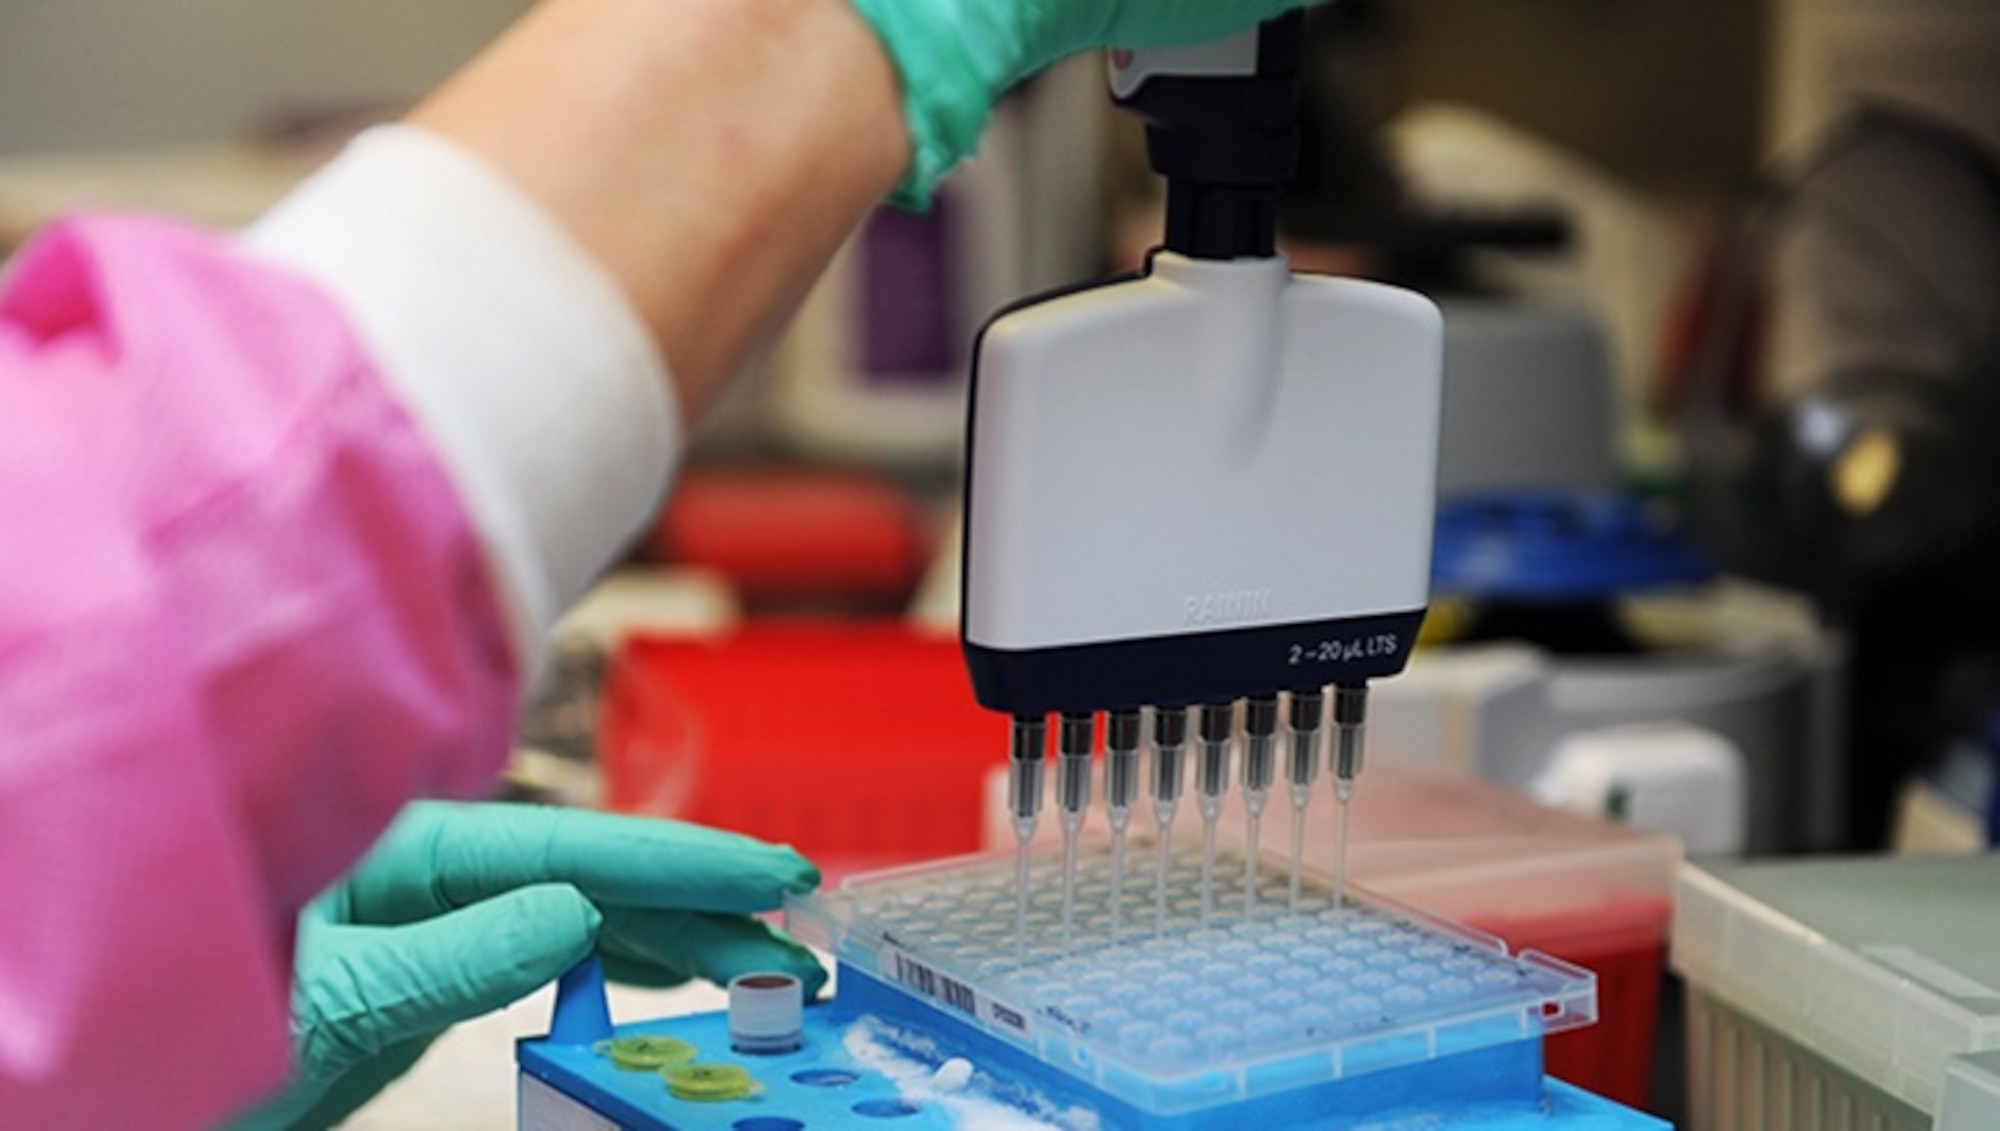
954	993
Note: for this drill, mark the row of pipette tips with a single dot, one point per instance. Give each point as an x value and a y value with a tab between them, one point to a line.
1217	738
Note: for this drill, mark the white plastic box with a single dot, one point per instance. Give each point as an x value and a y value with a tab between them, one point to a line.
1833	994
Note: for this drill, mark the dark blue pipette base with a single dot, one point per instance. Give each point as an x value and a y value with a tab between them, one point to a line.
1202	667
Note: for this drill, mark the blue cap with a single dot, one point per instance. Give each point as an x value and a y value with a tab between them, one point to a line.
582	1015
1560	547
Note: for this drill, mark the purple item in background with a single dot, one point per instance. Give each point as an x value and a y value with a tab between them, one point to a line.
908	317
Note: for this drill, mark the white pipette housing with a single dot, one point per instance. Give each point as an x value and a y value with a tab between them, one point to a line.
1214	479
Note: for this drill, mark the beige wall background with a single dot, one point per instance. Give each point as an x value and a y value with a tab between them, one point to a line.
1666	95
90	74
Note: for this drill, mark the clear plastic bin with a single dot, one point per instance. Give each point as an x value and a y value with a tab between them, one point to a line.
1971	1099
1827	994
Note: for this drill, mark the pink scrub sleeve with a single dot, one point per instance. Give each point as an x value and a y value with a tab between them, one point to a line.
243	616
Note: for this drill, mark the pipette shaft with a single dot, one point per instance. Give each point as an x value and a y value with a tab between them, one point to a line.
1260	764
1170	726
1074	746
1121	789
1350	716
1024	775
1121	767
1025	761
1218	724
1260	749
1073	749
1301	770
1308	711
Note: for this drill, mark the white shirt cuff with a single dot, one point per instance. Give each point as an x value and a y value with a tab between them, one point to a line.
529	370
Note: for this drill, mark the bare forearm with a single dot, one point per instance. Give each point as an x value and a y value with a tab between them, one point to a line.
710	154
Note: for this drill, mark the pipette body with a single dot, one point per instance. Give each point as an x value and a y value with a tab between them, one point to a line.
1186	419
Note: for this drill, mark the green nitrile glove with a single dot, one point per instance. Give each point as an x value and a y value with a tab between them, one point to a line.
461	909
957	57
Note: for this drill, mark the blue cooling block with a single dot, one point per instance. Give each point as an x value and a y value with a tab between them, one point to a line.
825	1087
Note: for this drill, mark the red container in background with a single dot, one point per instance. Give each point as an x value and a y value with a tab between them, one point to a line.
860	744
790	536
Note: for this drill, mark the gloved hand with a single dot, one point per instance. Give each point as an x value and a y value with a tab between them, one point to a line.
957	57
461	909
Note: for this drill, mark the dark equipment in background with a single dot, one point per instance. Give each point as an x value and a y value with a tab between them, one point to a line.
1842	412
1347	191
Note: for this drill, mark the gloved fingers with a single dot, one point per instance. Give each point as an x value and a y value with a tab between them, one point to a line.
360	991
439	856
648	947
956	57
1150	23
